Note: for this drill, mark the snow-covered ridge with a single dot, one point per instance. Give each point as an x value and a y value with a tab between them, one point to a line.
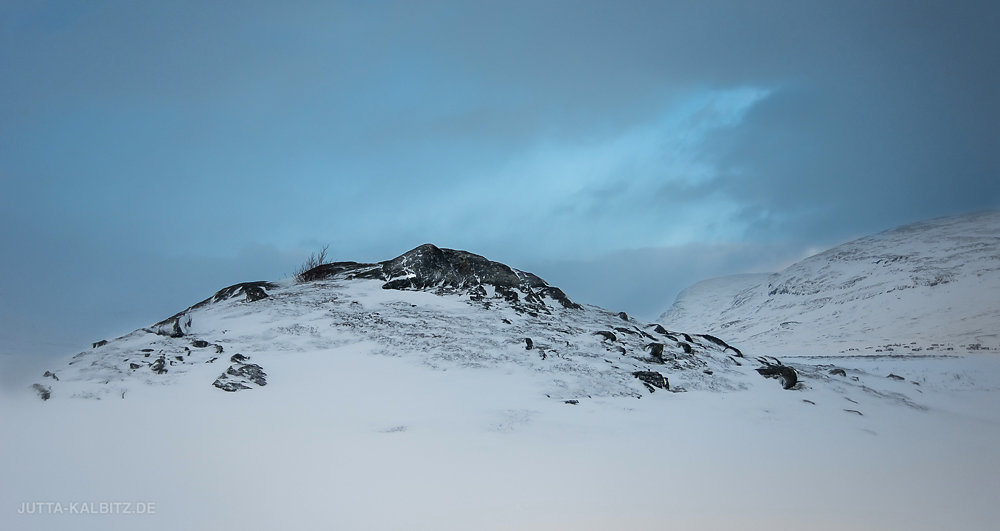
931	286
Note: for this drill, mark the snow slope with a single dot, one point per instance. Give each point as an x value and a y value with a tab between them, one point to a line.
931	287
422	407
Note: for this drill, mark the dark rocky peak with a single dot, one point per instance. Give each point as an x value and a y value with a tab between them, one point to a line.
429	267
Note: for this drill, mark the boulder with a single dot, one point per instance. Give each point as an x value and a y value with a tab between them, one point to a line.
652	380
608	336
656	350
786	375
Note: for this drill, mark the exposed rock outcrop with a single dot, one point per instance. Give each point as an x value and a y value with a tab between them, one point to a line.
239	377
774	369
428	267
652	380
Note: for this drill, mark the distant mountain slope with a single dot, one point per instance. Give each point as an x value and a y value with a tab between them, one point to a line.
927	287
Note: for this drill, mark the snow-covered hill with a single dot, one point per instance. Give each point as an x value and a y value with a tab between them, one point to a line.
442	307
929	287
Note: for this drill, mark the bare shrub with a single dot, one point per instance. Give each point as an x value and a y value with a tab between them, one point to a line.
315	259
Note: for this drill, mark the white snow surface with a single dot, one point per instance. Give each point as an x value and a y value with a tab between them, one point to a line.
388	409
928	287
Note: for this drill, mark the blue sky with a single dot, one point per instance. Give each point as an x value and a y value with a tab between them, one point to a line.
153	153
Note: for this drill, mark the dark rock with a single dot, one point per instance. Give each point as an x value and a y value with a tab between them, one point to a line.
625	330
652	380
786	375
508	294
100	343
218	348
238	358
528	343
325	271
175	330
229	385
50	374
854	411
685	346
429	267
573	402
809	401
255	293
252	291
708	372
895	377
623	316
557	294
146	350
722	344
398	284
609	336
478	293
249	371
656	350
179	358
146	355
838	372
134	366
211	360
159	366
44	392
646	334
237	377
506	321
659	329
198	343
687	338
